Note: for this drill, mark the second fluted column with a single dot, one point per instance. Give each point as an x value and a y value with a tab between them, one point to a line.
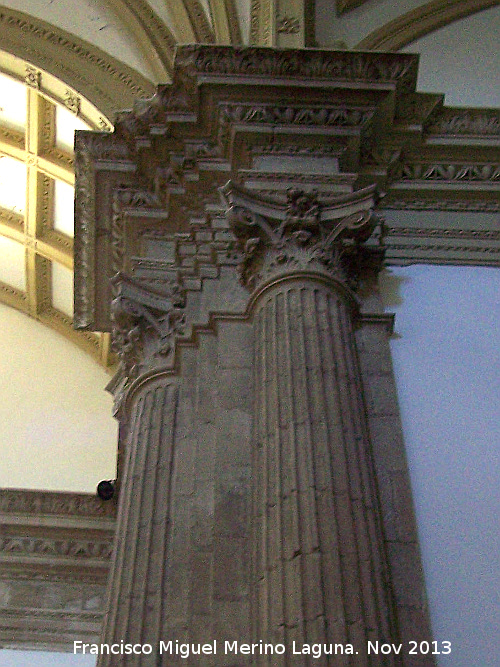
318	562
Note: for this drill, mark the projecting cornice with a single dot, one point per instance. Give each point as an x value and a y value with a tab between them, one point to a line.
333	122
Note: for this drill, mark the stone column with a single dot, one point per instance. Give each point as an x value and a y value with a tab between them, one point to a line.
145	324
319	567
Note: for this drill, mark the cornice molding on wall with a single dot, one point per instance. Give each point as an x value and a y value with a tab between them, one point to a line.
420	22
27	502
107	83
54	558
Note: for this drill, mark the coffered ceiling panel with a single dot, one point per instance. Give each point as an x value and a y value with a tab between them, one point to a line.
63	208
62	289
36	199
12	270
12	184
13	106
66	124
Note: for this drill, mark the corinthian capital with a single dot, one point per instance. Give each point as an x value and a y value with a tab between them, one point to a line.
303	236
145	322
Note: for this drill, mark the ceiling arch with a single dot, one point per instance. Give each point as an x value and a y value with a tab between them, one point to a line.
109	84
421	21
154	37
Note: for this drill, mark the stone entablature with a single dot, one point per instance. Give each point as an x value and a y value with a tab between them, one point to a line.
269	120
55	551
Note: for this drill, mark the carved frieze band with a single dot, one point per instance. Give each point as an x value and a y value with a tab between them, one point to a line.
15	501
442	204
17	546
449	172
200	60
55	551
309	118
47	629
321	116
76	537
465	122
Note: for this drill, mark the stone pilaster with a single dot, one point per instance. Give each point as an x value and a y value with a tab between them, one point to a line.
145	324
136	610
318	561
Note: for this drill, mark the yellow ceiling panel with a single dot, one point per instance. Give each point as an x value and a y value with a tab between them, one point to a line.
12	263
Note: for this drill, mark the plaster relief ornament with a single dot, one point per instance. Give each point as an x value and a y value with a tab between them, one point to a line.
304	236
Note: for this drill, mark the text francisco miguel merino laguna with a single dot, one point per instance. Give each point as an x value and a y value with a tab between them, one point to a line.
185	650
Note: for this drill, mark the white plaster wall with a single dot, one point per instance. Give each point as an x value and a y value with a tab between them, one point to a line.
448	374
462	60
352	26
56	428
447	368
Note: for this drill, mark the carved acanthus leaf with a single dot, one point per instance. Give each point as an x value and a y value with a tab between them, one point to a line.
297	115
456	172
344	65
303	236
466	122
145	323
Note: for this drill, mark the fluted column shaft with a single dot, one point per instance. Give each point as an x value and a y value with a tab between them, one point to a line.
318	557
136	603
